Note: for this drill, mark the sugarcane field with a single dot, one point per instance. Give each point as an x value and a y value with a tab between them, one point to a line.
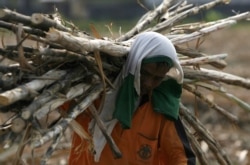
46	60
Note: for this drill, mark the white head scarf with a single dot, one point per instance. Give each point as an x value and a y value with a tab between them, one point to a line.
147	45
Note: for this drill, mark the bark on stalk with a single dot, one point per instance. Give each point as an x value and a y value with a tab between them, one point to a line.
83	45
62	125
22	92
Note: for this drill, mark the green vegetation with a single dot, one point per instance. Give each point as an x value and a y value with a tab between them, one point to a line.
213	15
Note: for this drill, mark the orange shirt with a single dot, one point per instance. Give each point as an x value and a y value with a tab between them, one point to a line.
152	140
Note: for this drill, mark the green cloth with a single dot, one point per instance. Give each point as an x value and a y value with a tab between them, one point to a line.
126	102
159	58
165	97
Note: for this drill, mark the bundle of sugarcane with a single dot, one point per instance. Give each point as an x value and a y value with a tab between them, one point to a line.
53	62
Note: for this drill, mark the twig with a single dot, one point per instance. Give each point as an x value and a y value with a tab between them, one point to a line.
203	60
61	126
213	105
21	92
221	156
208	75
150	16
115	150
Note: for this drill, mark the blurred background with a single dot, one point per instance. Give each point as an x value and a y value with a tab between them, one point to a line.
117	11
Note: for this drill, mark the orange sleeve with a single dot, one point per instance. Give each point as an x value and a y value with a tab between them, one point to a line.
174	146
79	153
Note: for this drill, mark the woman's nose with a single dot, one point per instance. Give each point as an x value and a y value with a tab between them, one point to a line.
148	84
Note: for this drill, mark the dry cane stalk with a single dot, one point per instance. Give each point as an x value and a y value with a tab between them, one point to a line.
12	16
50	93
83	45
195	145
220	64
51	149
61	126
75	91
149	18
196	26
222	92
115	150
202	60
26	29
208	75
202	32
171	21
21	92
40	20
205	135
222	111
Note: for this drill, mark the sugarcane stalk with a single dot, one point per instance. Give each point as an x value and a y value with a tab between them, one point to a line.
222	92
21	58
12	55
204	31
46	96
220	64
51	149
42	40
150	16
181	8
23	91
12	16
213	105
50	93
115	150
195	145
74	91
22	145
83	45
61	126
191	27
208	75
26	29
237	100
203	60
205	134
88	61
180	16
60	53
44	22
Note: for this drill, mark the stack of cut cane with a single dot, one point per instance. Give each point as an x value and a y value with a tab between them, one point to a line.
52	62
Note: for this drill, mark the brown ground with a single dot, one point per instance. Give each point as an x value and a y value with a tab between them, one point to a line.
235	140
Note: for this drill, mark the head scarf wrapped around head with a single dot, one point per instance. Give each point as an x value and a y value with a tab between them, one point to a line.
149	46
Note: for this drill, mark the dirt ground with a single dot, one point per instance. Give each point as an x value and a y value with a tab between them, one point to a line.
234	139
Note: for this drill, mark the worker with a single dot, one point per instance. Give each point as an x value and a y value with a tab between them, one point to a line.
141	113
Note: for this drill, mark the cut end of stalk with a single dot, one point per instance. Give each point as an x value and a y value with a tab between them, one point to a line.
18	125
4	101
36	19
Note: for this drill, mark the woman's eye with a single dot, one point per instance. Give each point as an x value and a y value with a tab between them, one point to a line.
158	78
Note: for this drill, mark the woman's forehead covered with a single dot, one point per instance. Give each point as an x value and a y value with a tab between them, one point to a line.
150	44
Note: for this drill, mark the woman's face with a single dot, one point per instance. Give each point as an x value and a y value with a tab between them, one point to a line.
152	75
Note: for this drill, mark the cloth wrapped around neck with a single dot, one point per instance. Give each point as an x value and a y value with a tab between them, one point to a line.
165	98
